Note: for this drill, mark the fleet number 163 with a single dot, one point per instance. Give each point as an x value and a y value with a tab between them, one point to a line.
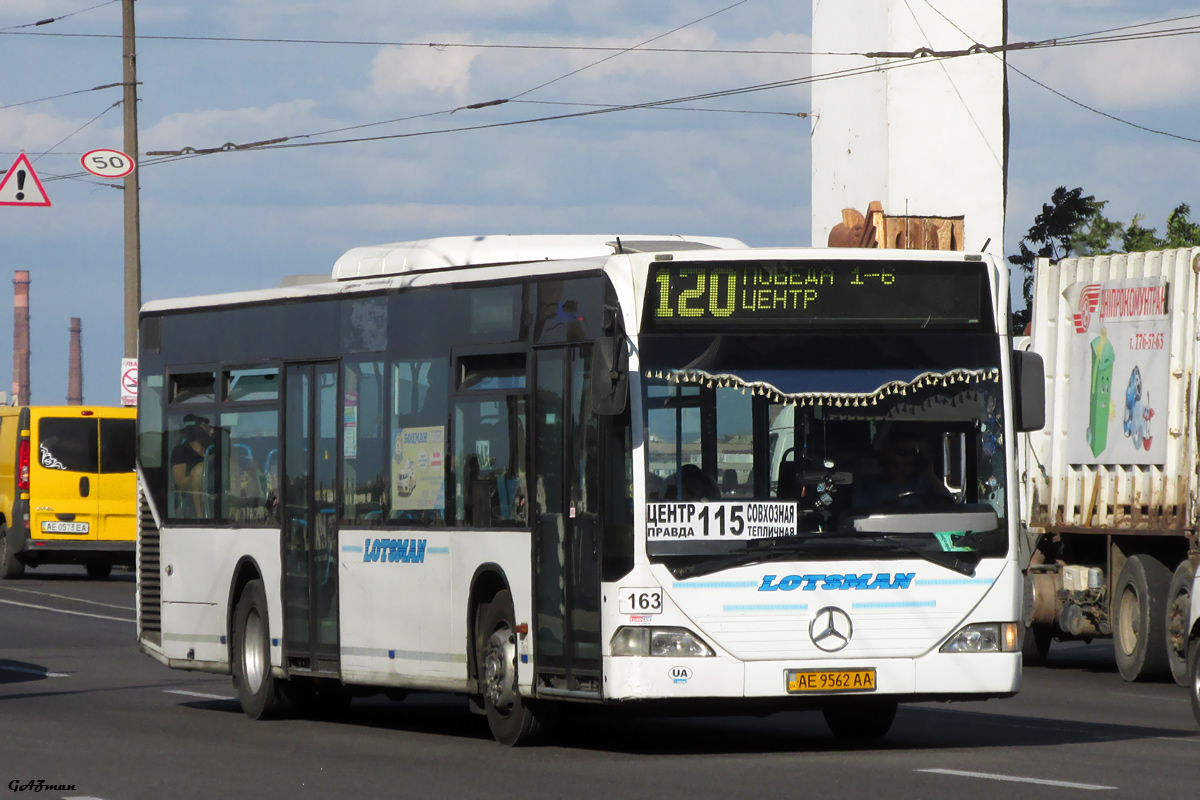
640	601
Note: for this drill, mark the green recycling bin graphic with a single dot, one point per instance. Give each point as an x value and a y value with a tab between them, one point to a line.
1101	393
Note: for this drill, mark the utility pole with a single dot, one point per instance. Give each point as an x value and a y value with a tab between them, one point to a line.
133	233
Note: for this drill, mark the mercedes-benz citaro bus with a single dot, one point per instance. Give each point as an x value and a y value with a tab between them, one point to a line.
666	475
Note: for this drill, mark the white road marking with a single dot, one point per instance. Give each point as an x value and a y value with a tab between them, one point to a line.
1092	787
201	695
1179	738
1151	697
68	597
65	611
32	671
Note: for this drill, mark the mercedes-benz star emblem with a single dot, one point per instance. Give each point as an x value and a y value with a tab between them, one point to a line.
830	629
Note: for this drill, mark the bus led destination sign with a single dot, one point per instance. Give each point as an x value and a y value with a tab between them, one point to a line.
708	295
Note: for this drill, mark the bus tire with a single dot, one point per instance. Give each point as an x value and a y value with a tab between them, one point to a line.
860	721
257	690
1179	606
10	566
1193	683
510	716
98	570
1139	618
1035	649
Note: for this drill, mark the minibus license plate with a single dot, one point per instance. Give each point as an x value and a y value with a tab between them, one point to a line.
64	527
800	681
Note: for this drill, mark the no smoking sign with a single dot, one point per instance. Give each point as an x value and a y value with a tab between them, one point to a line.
129	381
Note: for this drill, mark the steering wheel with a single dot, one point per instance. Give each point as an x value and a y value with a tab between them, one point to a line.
916	497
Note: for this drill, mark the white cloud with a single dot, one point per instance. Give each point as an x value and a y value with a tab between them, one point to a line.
1134	75
403	71
215	127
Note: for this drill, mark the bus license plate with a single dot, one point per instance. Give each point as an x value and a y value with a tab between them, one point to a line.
64	527
800	681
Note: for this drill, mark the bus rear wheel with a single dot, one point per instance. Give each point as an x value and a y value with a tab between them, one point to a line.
257	690
860	721
510	716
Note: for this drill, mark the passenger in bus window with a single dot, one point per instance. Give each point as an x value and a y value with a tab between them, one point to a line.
187	464
697	484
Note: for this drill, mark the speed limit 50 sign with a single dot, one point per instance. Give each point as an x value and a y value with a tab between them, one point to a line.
107	163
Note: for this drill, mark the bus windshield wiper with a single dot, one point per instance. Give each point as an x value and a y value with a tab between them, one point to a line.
757	551
943	558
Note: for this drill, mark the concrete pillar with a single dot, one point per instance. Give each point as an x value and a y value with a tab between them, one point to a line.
21	337
75	365
924	136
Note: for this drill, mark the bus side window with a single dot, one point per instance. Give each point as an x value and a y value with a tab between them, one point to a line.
248	438
489	462
416	434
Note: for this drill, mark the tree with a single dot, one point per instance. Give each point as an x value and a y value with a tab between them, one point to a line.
1071	224
1181	232
1069	220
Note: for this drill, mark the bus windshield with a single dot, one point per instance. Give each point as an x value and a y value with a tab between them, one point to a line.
824	444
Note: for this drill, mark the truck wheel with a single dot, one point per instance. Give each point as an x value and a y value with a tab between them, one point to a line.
860	721
256	688
1139	618
10	567
509	715
1194	677
1178	608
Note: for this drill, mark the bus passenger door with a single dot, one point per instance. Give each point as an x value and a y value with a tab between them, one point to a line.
567	529
310	568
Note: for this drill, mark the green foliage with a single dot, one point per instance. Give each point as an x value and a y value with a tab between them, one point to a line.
1066	220
1181	232
1137	238
1071	224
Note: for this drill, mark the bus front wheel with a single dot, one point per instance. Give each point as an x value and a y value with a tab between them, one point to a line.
257	691
509	715
860	721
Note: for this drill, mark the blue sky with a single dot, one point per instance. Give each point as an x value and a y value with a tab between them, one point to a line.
243	220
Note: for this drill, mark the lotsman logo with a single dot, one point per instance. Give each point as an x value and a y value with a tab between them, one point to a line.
1089	298
812	582
404	551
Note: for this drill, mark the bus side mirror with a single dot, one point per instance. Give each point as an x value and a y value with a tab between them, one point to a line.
1029	391
610	375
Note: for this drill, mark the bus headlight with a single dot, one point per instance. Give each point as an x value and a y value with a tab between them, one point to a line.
640	641
984	637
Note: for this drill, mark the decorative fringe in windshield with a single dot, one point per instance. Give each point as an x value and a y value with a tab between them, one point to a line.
889	392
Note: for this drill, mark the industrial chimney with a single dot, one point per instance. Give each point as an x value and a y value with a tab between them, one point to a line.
21	337
75	366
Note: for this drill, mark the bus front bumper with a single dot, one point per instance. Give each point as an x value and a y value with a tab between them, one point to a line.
934	676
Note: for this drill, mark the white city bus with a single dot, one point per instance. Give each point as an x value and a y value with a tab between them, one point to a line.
668	475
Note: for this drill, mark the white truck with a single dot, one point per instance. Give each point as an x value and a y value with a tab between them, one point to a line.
1111	483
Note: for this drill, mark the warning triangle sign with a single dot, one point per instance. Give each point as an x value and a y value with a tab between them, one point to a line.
21	187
